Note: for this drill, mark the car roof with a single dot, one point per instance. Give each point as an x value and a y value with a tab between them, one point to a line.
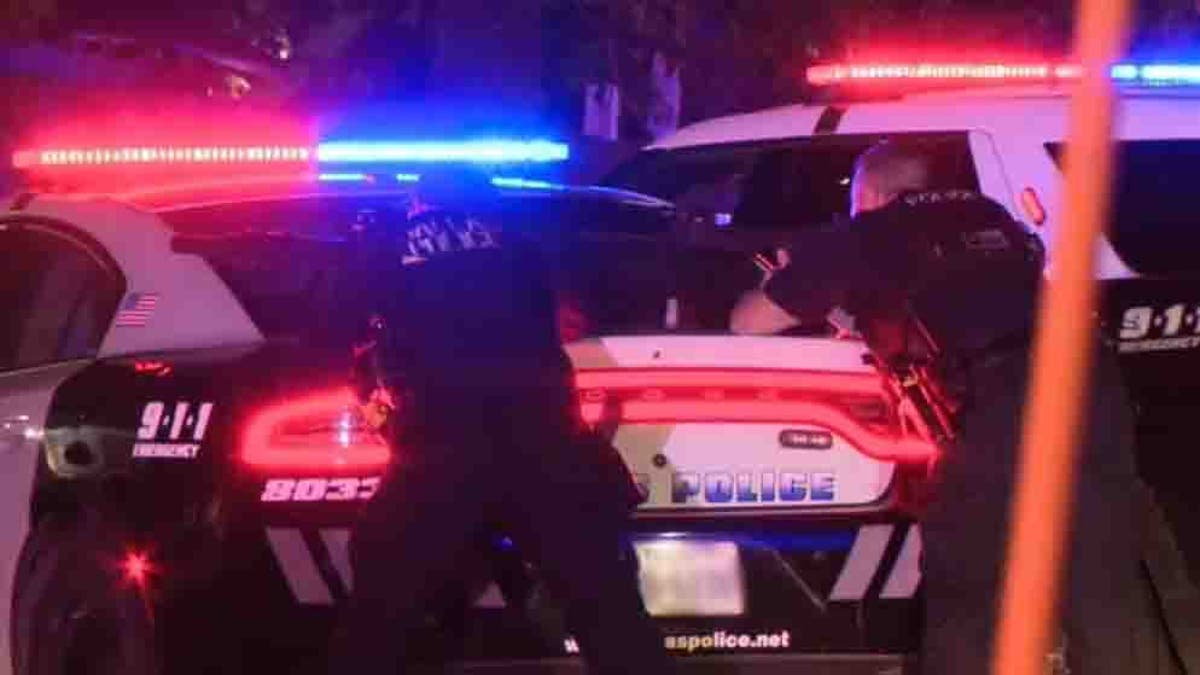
171	198
1037	111
137	230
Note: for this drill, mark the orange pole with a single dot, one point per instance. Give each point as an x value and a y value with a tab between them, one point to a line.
1054	411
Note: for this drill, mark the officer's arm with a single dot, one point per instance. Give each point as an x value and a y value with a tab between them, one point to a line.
757	314
805	289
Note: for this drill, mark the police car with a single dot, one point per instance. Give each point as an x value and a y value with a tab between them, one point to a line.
1000	128
185	460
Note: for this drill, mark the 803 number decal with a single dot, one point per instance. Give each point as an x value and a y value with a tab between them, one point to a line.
319	489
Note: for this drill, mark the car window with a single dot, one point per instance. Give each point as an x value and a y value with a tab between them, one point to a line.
1154	223
297	270
298	291
56	296
780	185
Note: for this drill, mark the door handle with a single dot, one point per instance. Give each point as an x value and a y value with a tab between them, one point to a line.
16	423
17	429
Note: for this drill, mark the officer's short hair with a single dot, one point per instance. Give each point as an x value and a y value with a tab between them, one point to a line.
893	168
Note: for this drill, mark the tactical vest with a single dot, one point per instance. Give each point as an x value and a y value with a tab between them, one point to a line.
953	275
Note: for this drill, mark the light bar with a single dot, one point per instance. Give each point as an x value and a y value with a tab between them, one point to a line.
161	155
988	72
1156	74
481	152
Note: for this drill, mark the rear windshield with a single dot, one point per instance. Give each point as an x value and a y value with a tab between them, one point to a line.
780	185
1154	226
296	269
620	267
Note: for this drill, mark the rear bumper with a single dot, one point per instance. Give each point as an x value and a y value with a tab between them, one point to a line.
748	664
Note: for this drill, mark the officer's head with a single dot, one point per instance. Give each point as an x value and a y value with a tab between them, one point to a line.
885	171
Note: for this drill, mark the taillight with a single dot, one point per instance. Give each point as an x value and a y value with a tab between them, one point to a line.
319	432
747	380
853	405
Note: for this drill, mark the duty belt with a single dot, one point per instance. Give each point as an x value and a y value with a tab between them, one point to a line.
940	389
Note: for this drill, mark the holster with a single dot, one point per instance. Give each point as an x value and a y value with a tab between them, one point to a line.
610	468
954	373
949	378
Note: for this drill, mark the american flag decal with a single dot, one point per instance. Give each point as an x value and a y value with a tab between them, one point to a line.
136	309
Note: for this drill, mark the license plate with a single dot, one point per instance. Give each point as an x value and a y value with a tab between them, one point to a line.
691	578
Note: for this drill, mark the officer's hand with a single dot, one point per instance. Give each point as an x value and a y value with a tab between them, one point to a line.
376	411
375	414
843	324
770	267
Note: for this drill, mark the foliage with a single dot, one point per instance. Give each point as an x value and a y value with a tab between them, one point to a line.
744	54
735	54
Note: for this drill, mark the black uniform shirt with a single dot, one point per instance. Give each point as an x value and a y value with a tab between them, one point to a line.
955	260
465	303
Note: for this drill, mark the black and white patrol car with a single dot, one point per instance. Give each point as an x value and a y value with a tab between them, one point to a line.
184	461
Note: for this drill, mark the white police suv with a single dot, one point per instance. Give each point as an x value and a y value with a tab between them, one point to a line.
1000	128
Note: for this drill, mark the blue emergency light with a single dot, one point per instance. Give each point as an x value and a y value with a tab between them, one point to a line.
1158	74
504	182
524	184
487	151
343	177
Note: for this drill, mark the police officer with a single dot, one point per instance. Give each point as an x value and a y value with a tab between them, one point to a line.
947	277
487	435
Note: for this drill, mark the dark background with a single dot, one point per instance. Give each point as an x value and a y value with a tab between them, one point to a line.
535	56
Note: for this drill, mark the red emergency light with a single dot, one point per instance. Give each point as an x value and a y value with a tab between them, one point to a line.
160	156
122	149
949	72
